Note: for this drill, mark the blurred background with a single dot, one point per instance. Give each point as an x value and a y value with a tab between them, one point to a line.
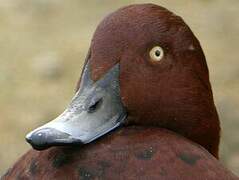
42	48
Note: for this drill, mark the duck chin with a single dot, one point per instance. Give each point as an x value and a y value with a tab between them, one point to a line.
95	110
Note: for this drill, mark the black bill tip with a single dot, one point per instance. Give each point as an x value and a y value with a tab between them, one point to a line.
47	137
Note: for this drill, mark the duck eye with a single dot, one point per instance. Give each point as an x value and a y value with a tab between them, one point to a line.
156	53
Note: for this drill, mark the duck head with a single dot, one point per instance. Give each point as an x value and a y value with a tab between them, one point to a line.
145	67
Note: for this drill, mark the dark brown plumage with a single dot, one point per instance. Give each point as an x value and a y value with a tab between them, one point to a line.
173	94
130	153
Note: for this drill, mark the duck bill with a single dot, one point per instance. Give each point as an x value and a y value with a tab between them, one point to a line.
95	110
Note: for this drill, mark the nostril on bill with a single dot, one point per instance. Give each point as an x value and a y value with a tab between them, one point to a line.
95	106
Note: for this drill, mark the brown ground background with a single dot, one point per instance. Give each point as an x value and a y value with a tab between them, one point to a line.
43	44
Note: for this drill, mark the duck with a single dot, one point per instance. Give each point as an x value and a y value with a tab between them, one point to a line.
143	108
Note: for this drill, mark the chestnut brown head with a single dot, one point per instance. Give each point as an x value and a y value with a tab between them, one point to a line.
164	77
145	59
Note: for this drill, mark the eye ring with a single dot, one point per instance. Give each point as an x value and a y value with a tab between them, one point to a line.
156	53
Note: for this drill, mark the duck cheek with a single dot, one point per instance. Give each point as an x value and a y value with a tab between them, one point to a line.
139	92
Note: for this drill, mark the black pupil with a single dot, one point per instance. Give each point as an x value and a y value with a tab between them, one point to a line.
157	53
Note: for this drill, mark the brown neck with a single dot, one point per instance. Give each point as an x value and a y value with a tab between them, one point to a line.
199	123
179	99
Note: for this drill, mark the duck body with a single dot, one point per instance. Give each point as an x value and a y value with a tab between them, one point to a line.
127	153
146	78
